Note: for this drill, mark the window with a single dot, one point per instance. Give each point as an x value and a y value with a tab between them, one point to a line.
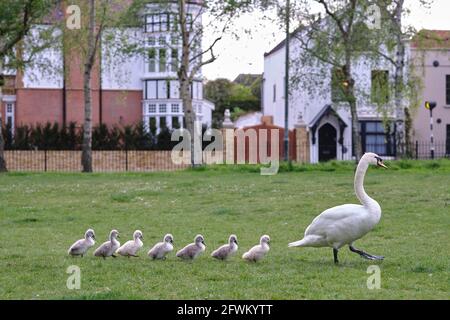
9	108
151	89
149	23
189	22
174	60
377	138
337	85
162	122
274	92
194	90
380	87
152	125
152	108
162	40
162	60
447	90
152	60
175	108
175	123
172	25
162	108
164	22
162	89
156	23
151	41
174	89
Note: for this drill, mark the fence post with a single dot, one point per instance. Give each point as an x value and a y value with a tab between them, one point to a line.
45	160
126	159
417	149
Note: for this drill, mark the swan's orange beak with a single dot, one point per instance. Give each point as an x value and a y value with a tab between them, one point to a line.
381	164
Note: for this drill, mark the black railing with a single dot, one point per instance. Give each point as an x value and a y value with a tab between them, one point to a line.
151	160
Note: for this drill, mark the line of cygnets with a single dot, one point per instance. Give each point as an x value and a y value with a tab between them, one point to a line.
159	251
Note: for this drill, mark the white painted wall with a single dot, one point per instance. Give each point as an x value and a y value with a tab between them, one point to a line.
45	70
120	72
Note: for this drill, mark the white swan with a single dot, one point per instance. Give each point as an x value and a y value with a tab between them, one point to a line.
342	225
259	251
80	247
193	250
130	248
227	250
161	249
108	248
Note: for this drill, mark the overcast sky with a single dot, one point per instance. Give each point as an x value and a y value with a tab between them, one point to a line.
246	55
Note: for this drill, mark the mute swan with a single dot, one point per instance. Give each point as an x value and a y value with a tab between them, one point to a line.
80	247
130	248
193	250
227	250
161	249
342	225
259	251
108	248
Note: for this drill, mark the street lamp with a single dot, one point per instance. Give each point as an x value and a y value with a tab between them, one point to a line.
430	105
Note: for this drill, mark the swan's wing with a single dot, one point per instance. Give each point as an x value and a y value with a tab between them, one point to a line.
188	252
127	248
77	247
321	224
222	252
103	250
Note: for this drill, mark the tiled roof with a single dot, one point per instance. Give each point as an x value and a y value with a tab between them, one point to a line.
427	39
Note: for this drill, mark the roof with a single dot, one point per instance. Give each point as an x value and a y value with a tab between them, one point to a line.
326	110
282	43
428	39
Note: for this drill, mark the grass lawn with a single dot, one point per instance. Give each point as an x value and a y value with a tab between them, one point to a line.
41	215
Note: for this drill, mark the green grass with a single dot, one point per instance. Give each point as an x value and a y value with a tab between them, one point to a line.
42	214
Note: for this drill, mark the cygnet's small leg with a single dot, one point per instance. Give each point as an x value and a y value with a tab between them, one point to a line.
335	254
365	254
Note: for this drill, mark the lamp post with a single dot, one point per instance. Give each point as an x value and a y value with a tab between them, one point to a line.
286	87
430	106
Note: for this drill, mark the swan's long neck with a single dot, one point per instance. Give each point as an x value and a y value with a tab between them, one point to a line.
359	184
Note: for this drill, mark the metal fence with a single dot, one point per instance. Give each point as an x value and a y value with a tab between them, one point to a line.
422	150
149	161
102	161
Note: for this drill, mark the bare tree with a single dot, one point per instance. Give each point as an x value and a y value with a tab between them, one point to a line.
190	30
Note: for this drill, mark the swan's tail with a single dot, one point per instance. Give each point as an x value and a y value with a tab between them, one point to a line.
299	243
309	241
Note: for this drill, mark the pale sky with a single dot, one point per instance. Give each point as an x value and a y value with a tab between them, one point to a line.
246	55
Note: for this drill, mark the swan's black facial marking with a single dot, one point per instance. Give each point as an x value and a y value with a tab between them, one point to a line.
380	162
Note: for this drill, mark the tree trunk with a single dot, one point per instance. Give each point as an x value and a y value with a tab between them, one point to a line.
3	167
185	82
86	156
351	99
400	138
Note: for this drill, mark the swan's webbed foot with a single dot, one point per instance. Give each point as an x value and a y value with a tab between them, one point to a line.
335	254
365	255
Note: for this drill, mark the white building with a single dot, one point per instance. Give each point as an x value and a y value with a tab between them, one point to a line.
125	90
327	118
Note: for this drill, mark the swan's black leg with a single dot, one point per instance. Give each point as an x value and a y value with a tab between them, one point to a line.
365	254
335	254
